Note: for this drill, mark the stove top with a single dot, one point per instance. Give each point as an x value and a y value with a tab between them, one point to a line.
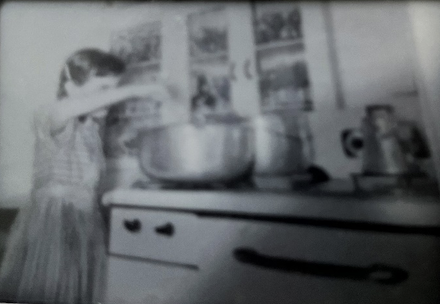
363	188
249	185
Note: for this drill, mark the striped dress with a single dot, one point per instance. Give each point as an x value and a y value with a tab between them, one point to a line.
56	249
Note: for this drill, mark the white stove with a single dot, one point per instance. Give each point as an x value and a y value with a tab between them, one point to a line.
250	246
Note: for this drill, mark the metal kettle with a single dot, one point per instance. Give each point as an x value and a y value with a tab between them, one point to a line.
384	152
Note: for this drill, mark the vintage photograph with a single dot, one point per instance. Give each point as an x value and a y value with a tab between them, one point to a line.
248	152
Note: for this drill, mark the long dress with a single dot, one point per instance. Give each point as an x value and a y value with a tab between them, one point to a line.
56	248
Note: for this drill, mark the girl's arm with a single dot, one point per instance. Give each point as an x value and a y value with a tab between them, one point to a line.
62	112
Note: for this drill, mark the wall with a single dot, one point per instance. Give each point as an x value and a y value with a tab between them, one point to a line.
373	42
425	17
36	38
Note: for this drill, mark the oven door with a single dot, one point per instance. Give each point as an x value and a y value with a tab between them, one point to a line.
261	262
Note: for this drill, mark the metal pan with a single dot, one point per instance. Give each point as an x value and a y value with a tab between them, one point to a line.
212	152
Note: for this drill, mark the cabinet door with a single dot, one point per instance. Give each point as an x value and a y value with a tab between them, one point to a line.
280	56
222	51
211	73
138	42
292	56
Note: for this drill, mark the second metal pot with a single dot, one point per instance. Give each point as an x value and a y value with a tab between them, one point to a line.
282	144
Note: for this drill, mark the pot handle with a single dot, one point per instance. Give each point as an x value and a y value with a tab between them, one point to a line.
352	142
377	273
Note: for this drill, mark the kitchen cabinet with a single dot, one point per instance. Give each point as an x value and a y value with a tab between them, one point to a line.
371	44
226	36
257	69
250	50
195	250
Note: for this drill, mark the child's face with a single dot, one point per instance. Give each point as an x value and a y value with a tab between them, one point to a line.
93	85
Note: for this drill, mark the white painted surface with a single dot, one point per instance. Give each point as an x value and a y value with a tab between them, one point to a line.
373	42
180	247
244	91
327	126
425	17
404	210
318	57
131	282
221	278
36	38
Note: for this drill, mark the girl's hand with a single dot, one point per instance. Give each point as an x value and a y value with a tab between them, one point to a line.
61	112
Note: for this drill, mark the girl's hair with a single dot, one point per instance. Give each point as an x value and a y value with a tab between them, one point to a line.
86	63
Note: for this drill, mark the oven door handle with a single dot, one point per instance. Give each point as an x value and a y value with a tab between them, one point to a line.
377	273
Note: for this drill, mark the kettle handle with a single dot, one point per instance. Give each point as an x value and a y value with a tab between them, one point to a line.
352	142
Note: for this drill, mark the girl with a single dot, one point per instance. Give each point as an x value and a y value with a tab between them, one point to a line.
56	250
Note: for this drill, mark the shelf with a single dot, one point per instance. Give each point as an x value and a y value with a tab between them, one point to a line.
210	58
297	45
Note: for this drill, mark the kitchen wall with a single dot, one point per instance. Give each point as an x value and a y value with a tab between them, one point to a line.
373	43
36	38
425	17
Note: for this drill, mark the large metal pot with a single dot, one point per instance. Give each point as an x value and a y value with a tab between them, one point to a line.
211	152
282	144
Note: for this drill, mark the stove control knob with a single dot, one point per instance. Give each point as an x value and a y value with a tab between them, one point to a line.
167	229
133	225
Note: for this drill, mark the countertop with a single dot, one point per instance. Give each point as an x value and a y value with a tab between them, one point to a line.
405	209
